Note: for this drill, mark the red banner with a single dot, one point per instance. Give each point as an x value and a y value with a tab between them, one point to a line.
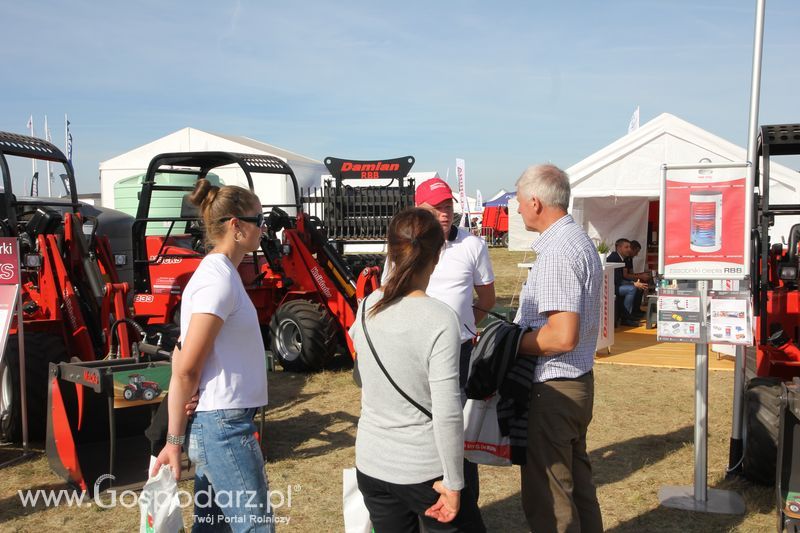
704	234
9	261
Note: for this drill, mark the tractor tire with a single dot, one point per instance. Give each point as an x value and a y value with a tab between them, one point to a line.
762	402
504	240
41	349
148	395
128	394
302	336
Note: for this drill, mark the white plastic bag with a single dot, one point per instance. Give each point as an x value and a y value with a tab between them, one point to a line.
356	516
483	443
159	504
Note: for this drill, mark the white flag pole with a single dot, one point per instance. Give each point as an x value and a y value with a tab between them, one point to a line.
47	138
33	161
462	191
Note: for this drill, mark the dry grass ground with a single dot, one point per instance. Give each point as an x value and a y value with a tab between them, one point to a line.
508	276
640	440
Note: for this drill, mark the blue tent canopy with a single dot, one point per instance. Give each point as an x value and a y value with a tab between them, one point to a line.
500	202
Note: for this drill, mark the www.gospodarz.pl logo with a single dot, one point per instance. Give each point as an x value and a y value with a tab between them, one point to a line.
202	499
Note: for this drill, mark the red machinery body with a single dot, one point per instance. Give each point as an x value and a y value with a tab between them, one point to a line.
74	319
495	218
775	269
302	289
54	301
783	360
494	227
172	263
774	357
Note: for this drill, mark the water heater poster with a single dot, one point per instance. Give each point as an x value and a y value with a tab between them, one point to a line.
703	219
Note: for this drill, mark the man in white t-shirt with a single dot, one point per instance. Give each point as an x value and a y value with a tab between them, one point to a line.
464	264
463	267
464	270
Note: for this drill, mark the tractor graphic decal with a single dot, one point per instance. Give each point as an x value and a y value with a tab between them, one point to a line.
141	386
138	388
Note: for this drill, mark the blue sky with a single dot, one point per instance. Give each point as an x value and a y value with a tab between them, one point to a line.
501	85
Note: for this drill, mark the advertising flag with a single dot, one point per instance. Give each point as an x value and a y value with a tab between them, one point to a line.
35	185
68	139
633	125
462	192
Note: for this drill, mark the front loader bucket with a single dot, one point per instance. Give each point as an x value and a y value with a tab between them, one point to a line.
97	415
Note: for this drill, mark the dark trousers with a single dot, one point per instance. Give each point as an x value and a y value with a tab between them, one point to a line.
397	508
558	493
471	480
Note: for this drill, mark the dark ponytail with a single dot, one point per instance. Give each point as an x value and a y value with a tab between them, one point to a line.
415	239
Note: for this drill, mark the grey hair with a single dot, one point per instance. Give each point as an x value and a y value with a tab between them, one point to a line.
548	183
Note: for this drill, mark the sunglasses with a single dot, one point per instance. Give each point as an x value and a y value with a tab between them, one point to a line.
258	220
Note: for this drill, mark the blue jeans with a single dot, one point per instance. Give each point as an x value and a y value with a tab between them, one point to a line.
628	293
230	484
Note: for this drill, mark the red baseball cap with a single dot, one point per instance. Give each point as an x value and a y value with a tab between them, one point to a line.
432	192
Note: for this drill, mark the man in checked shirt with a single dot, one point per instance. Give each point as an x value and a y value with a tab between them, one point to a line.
561	303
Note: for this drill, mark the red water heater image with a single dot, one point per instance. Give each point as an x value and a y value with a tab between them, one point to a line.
705	222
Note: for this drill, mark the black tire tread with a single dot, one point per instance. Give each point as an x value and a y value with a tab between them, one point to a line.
41	349
317	331
762	402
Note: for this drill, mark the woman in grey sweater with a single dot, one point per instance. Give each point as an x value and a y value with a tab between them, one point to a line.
409	450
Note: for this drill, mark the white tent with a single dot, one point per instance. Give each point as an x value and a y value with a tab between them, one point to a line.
519	238
496	195
306	170
612	188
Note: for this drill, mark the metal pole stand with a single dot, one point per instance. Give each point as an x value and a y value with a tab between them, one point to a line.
700	497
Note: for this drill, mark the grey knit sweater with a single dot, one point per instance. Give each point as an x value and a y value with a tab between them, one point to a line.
417	339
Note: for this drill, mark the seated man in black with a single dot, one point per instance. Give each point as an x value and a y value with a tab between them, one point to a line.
641	276
626	286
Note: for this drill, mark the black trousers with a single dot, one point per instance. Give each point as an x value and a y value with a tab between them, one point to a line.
397	508
471	479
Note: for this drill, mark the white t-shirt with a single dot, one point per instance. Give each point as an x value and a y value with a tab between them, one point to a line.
463	264
235	372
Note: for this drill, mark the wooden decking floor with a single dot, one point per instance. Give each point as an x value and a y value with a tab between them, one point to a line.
639	347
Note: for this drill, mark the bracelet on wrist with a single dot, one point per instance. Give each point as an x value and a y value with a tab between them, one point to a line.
176	439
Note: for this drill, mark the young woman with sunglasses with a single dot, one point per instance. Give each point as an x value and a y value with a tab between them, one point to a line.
221	354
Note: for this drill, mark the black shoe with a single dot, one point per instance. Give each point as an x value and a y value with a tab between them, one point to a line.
630	322
638	315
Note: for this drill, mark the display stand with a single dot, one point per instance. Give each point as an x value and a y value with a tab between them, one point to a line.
700	497
11	304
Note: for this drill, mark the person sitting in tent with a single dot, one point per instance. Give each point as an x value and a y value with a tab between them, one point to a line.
641	276
624	287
